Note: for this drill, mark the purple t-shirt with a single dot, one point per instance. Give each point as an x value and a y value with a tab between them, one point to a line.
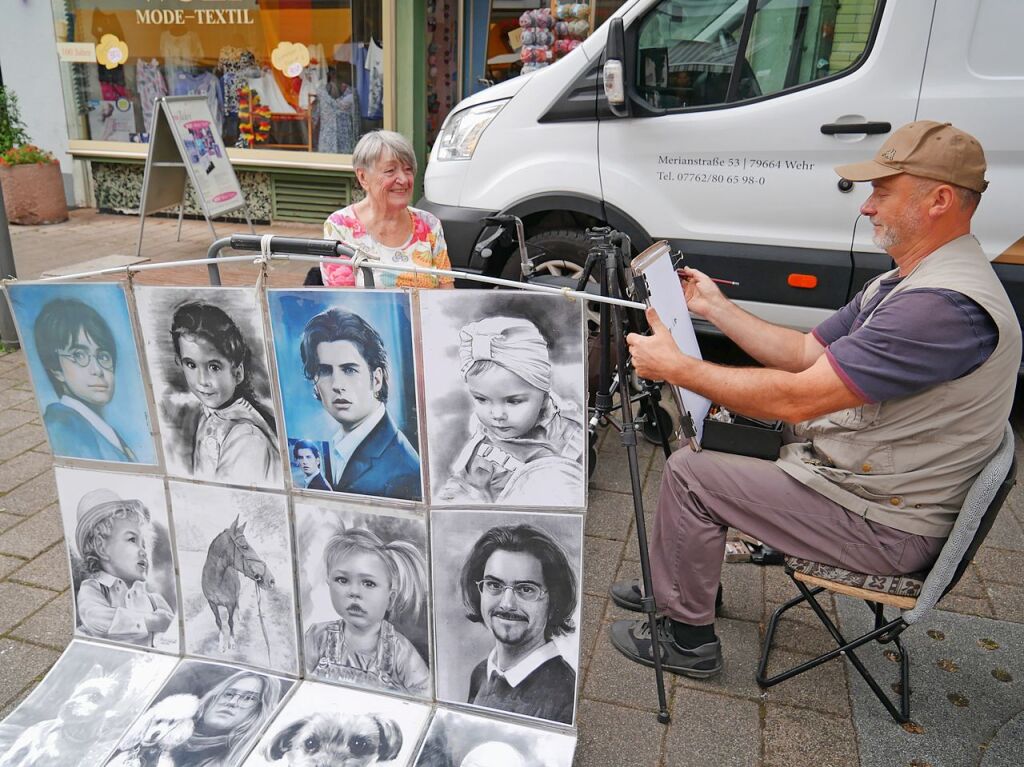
917	339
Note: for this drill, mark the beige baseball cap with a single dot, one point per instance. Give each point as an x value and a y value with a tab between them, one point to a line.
927	149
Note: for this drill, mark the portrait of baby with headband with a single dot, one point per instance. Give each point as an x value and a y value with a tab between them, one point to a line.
525	441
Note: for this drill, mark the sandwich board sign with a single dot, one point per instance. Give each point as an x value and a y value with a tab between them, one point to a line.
185	145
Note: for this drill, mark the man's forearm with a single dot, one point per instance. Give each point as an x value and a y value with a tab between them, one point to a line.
773	346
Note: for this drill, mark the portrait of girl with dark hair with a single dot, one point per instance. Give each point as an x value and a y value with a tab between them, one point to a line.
206	352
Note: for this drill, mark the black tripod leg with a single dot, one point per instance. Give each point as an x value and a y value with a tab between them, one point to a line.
629	442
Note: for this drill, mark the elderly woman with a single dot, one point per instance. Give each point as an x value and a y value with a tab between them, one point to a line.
383	224
229	718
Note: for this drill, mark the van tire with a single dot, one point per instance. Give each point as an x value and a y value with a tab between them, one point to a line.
568	246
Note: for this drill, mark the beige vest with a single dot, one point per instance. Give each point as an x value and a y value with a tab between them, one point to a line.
908	462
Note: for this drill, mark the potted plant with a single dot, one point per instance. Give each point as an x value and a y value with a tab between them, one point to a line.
30	177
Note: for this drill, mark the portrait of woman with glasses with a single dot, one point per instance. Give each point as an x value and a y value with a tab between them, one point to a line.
80	342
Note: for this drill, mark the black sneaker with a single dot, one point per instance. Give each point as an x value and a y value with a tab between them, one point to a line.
627	595
633	639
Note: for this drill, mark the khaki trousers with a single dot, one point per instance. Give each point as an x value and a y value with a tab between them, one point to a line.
703	494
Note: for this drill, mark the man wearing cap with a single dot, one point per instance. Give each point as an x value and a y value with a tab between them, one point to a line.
893	405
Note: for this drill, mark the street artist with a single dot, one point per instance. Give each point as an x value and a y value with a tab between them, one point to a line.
893	405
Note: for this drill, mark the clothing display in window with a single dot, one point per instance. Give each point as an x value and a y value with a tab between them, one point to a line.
313	76
369	64
235	64
180	53
337	117
150	83
205	84
270	93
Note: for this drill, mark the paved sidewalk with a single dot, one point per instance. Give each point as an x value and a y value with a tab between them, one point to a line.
820	718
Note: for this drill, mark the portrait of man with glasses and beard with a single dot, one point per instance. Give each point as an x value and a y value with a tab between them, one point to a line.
519	582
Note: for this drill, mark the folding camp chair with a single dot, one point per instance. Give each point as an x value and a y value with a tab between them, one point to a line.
914	595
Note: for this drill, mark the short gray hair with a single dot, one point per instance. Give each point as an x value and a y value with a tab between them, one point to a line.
381	143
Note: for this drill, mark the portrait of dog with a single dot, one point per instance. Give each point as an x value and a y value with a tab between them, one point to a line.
337	740
164	727
325	725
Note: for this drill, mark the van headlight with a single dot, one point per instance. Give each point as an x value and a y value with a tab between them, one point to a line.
462	130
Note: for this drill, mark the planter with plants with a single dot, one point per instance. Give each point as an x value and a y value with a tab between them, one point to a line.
30	177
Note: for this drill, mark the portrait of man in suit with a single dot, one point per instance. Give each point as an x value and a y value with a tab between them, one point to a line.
345	360
307	457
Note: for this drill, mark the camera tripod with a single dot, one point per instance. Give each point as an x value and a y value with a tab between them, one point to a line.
607	257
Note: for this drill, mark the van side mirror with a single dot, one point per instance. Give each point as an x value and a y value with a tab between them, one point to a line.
614	72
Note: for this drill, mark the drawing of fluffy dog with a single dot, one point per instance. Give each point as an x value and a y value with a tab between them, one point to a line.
79	724
166	725
325	740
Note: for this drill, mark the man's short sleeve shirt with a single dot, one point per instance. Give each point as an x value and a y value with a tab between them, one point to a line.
917	339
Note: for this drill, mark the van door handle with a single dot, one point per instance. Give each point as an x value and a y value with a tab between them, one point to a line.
832	129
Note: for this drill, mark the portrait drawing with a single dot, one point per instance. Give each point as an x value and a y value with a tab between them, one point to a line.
363	586
206	353
85	369
507	606
122	566
504	387
347	373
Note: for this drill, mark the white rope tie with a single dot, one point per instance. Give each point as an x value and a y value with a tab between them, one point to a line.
568	293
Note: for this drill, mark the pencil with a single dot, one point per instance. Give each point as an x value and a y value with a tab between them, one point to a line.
725	282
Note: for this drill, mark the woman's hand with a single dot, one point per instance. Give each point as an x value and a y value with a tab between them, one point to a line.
702	294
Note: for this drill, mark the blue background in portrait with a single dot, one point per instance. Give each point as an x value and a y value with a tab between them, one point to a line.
127	412
389	313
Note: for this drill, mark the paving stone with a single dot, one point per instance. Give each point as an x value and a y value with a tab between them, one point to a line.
614	736
7	521
22	664
17	374
12	418
1007	532
17	602
742	591
970	584
822	689
600	561
49	570
709	729
593	612
33	536
632	551
25	437
27	406
612	471
609	514
9	564
998	565
627	571
31	497
22	468
1008	601
15	703
11	397
801	631
741	650
967	605
50	626
800	737
613	678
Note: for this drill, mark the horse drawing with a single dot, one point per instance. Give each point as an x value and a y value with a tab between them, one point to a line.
230	554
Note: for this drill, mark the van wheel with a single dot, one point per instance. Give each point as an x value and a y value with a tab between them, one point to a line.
560	253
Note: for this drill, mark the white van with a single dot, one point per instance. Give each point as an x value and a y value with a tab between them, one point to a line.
735	113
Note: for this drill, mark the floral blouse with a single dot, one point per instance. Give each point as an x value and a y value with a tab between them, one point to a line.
425	247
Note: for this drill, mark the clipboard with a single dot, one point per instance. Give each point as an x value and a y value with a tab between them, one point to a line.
654	273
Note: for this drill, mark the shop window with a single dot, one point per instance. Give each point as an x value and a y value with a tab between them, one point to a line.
525	35
306	75
688	50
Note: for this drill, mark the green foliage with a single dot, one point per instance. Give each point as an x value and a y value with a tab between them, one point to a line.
12	129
